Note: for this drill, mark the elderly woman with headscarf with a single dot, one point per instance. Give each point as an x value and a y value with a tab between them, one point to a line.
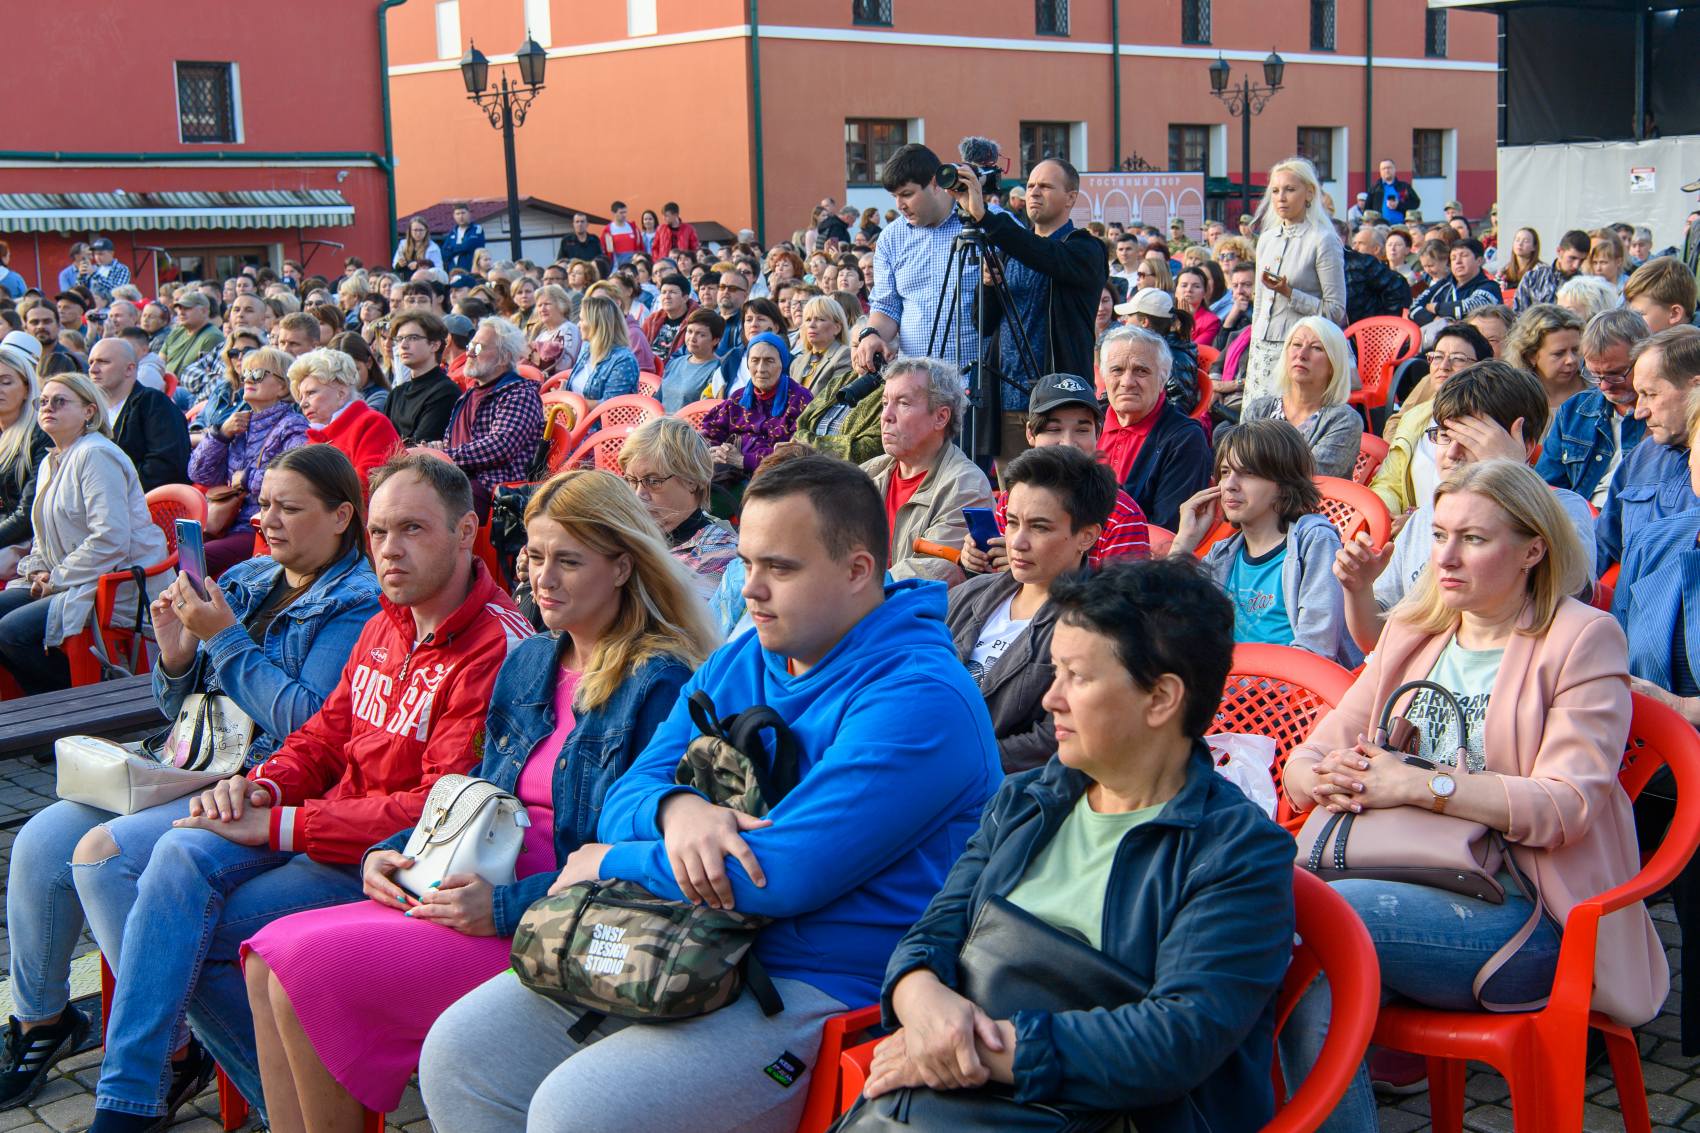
743	428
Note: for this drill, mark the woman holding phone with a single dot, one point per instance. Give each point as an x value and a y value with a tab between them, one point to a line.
273	635
1301	270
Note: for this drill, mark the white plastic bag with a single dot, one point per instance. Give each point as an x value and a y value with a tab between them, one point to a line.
1247	761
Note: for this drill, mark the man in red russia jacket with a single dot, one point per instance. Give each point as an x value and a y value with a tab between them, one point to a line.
408	709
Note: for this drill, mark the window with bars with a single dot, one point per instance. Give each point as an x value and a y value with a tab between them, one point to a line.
876	12
1316	145
1322	25
206	102
1434	33
1189	149
1040	140
1050	17
1195	21
869	144
1428	153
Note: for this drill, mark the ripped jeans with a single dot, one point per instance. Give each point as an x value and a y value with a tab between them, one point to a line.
1431	943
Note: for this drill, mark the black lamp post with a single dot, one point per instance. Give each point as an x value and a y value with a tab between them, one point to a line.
1242	103
505	106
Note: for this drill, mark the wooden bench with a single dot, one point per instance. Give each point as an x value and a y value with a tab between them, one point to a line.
118	708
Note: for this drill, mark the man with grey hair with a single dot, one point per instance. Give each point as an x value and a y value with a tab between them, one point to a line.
1594	429
924	478
1160	455
145	424
496	424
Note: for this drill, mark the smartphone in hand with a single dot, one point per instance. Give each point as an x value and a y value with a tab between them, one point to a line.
192	554
982	525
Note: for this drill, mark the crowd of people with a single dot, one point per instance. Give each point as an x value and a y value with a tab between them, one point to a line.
991	584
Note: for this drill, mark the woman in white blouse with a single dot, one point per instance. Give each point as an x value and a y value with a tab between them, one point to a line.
1301	270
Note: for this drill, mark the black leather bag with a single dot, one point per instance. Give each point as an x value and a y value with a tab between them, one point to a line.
1011	961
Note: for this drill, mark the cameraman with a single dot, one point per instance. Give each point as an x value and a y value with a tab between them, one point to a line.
1055	273
911	265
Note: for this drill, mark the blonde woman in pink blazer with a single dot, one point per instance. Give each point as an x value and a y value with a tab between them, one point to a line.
1544	682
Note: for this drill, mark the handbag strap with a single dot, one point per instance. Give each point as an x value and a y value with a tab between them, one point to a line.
1461	757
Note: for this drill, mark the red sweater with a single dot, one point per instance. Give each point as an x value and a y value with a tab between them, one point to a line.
403	715
363	434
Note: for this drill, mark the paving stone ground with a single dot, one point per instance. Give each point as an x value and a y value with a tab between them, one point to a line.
66	1105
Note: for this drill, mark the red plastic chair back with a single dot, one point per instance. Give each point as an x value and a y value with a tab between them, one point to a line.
1331	941
697	410
193	411
527	370
825	1098
1280	692
574	401
1161	540
1603	595
1372	450
558	433
1207	356
170	502
601	450
557	382
1380	343
631	409
170	383
1354	509
1206	394
649	384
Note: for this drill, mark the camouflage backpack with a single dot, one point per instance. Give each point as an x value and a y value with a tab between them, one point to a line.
617	949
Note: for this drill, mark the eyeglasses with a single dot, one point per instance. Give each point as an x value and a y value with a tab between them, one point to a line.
1452	361
409	339
650	482
476	349
258	376
1437	436
236	352
58	403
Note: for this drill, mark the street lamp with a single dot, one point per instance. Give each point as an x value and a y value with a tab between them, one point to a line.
1244	102
505	106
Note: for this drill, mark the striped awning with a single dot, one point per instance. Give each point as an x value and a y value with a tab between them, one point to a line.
173	212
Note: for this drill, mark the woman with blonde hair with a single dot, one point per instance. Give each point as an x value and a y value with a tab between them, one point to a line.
22	445
1301	269
1543	683
667	465
338	1023
89	517
606	366
1313	382
1546	340
823	344
555	337
326	385
622	290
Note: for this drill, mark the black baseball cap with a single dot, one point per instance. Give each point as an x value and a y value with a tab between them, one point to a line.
1056	390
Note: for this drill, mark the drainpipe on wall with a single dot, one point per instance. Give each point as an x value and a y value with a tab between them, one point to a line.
1115	83
384	86
760	224
1370	164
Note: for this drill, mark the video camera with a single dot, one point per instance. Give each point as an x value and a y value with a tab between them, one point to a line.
983	156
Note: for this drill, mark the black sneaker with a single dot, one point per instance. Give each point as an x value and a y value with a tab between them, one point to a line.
189	1076
28	1056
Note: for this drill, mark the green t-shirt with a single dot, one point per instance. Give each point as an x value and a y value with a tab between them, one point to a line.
1467	674
1065	885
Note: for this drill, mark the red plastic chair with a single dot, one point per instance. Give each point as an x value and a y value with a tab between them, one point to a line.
601	449
1280	692
1543	1054
649	384
232	1106
1161	539
170	383
1604	592
1372	450
527	370
564	396
1332	941
1206	394
1380	343
697	410
824	1102
1353	509
194	411
1207	356
558	418
631	409
554	383
166	505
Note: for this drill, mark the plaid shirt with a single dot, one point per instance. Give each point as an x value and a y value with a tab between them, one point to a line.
102	280
202	376
911	266
1125	533
505	432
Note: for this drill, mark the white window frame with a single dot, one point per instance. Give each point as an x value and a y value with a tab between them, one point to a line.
538	23
640	18
447	23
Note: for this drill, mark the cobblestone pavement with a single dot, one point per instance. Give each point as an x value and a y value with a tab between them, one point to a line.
1673	1082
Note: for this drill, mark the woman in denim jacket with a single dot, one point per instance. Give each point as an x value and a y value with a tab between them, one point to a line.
339	1023
273	636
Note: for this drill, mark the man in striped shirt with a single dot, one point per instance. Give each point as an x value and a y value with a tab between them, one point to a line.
1064	411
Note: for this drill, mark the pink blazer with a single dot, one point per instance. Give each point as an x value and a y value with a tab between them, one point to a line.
1556	726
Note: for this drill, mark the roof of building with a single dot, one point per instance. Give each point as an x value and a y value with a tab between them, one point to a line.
440	216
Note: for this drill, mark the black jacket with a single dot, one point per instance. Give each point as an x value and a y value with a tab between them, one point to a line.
572	248
832	226
1078	271
1173	463
152	432
1407	197
1017	683
1453	300
17	496
1373	288
419	409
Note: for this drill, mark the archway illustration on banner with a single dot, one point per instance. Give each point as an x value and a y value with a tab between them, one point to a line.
1142	198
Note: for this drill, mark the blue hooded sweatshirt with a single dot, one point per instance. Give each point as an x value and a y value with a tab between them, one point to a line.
898	761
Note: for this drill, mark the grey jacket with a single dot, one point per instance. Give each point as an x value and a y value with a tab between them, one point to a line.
1017	683
1314	264
934	512
1316	605
1333	434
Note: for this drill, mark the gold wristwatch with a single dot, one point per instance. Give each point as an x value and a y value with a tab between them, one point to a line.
1443	786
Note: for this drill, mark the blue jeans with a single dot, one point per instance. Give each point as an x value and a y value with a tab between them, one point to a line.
23	629
1431	943
197	898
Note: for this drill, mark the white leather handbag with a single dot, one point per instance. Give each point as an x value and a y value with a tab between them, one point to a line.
469	826
123	779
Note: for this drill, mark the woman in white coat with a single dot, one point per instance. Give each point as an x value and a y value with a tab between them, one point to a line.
1301	270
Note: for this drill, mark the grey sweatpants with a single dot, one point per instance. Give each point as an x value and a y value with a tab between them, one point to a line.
500	1060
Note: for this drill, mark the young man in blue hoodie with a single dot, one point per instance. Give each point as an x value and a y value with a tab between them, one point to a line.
898	760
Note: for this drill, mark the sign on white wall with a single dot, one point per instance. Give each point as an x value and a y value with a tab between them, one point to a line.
1142	198
1591	184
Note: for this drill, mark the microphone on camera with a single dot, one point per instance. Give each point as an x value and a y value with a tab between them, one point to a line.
855	391
982	153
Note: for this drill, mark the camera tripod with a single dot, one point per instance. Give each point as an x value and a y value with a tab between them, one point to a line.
970	253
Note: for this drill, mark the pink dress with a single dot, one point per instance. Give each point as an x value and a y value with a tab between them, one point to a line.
368	981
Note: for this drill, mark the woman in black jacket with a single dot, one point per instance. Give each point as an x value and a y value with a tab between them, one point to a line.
22	446
1059	499
1130	844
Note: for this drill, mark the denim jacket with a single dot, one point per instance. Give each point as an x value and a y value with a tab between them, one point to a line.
1651	483
282	683
601	747
1579	445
